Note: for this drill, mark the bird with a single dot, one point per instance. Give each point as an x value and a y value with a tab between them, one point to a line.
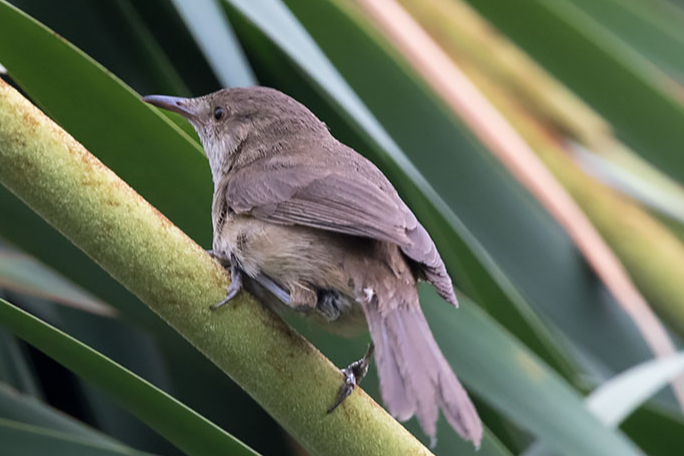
306	222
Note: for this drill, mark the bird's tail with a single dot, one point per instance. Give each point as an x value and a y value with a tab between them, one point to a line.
415	378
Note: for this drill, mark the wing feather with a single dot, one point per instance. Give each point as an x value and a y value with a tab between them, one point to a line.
355	203
319	199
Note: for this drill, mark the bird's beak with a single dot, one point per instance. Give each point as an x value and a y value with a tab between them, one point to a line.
175	104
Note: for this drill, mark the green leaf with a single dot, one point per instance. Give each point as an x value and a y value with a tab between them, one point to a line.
210	27
107	117
16	368
21	273
20	439
654	29
635	178
655	430
25	409
180	425
516	382
164	21
617	398
27	231
600	68
122	43
130	347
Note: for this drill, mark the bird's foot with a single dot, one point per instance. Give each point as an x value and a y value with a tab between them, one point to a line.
221	257
233	289
353	374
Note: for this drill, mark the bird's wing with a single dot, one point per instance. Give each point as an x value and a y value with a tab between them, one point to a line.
350	203
318	198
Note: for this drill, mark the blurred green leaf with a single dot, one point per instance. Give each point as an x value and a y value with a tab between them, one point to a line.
147	54
600	68
635	178
658	432
183	427
130	347
617	398
107	117
23	274
16	368
25	409
651	28
121	41
518	383
163	20
20	439
211	29
27	231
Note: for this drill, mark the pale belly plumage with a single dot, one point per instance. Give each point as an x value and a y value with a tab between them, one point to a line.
310	265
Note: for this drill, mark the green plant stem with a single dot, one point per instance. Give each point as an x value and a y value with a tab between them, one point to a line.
138	246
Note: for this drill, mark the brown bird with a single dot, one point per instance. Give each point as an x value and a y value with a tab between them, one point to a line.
304	219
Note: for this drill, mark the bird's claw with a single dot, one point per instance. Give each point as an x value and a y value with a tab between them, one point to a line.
353	374
233	289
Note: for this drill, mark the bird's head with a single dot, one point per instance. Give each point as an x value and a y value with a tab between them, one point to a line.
226	118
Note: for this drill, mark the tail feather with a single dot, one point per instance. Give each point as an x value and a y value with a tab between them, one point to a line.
415	378
399	400
415	369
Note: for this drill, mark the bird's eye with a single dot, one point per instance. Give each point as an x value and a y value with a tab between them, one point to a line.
218	113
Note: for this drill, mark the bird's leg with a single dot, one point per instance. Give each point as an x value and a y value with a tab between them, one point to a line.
353	374
234	287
